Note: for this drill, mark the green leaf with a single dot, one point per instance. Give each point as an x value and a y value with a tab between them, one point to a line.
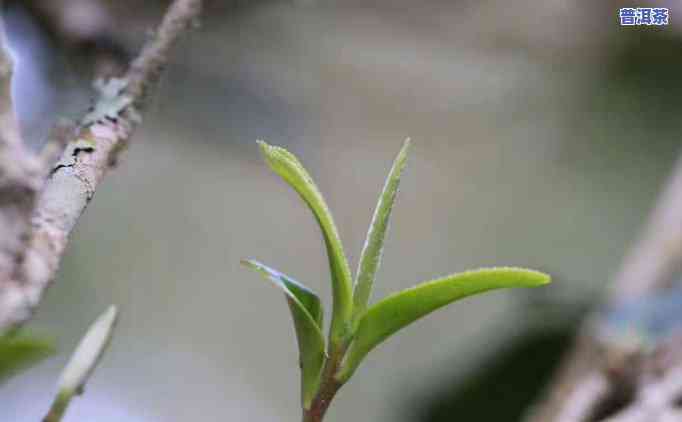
289	168
370	258
19	352
401	309
306	311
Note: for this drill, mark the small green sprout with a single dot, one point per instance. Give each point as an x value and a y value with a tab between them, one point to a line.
83	362
357	327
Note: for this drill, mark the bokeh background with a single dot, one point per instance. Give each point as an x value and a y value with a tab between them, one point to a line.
542	132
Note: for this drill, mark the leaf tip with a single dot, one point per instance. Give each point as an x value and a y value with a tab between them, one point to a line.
252	264
543	279
530	278
407	144
262	144
265	149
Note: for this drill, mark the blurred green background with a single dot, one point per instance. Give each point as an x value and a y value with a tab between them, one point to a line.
541	131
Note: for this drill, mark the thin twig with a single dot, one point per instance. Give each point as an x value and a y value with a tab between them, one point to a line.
9	124
89	155
19	180
60	135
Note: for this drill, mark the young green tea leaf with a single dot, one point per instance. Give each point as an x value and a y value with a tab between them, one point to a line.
19	352
87	355
82	364
401	309
306	311
370	259
292	288
289	168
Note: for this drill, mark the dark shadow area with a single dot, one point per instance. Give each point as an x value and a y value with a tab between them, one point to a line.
504	385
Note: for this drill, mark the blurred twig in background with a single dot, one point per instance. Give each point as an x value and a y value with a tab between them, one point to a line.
87	27
603	382
38	213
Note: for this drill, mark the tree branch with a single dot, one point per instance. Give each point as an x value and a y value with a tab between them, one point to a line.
9	125
19	181
650	266
656	401
658	254
91	151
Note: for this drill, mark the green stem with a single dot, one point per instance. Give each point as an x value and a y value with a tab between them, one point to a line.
329	386
58	408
